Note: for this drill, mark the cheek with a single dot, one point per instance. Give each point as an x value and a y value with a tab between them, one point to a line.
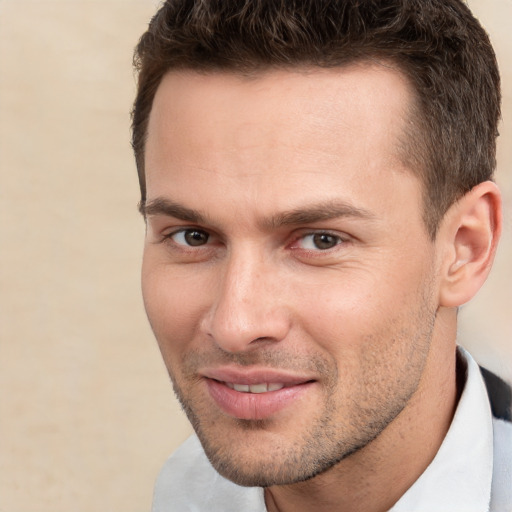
341	302
363	309
378	341
173	305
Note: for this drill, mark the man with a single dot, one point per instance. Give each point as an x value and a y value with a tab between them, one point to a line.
316	181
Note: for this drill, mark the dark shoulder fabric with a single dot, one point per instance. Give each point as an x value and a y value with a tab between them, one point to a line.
500	395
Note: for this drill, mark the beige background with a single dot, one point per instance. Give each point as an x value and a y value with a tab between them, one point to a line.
87	415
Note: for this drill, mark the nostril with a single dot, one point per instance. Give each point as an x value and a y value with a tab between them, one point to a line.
262	340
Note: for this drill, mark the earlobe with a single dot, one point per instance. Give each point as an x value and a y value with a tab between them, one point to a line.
469	233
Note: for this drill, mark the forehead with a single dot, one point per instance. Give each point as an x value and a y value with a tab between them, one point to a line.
311	97
277	133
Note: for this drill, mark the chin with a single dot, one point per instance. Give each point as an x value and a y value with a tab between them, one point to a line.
258	458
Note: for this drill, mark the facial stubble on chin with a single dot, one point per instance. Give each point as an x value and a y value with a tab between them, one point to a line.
229	464
320	447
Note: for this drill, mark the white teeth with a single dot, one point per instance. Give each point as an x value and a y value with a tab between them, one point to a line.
275	387
258	388
255	388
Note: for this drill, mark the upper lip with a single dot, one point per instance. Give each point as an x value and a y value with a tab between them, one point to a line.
253	376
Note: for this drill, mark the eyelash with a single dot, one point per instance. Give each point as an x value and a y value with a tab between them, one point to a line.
168	237
338	239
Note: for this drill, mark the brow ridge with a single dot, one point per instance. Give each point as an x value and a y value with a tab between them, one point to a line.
164	206
302	215
317	213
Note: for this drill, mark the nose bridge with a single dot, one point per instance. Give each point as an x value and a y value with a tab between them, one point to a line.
247	304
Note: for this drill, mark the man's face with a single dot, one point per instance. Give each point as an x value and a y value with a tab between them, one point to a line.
287	272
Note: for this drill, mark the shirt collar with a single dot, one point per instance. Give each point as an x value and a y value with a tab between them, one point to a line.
459	478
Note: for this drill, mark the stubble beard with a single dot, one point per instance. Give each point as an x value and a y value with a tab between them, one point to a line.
279	460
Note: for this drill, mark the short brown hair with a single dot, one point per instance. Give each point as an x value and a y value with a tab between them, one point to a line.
438	45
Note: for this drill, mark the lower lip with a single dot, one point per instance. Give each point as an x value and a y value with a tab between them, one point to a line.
254	406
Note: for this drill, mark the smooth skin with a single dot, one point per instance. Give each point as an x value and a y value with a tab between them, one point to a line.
285	235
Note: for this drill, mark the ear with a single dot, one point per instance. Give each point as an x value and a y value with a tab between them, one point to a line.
469	237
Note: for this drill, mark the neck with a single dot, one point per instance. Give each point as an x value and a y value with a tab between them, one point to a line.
374	478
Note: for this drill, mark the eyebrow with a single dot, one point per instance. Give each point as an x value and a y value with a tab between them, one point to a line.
328	210
163	206
303	215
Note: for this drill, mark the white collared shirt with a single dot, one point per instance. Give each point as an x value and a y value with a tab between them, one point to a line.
471	472
460	478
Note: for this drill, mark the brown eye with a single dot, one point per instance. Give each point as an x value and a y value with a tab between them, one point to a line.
189	237
323	241
195	237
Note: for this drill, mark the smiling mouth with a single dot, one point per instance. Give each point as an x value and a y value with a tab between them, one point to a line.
255	388
258	400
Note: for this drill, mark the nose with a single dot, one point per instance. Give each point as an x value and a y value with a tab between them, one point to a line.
248	308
